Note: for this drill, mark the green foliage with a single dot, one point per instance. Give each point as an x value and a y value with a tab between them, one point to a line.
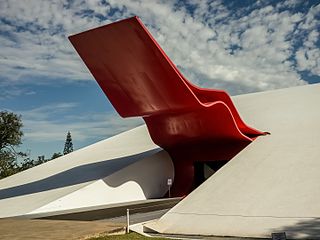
8	164
29	163
10	138
68	146
10	130
56	155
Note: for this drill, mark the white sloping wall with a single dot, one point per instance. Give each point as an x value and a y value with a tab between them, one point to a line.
141	180
85	171
273	185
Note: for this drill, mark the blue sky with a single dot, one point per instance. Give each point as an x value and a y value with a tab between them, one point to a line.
238	46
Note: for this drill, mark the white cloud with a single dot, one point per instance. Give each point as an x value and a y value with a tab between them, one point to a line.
36	40
255	48
43	124
250	53
11	91
248	50
308	55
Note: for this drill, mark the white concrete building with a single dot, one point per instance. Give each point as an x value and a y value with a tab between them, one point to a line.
273	185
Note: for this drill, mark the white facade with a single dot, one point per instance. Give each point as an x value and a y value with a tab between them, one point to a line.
273	185
123	168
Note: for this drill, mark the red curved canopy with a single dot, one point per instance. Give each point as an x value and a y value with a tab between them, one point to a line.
140	80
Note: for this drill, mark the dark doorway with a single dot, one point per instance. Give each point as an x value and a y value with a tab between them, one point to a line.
204	170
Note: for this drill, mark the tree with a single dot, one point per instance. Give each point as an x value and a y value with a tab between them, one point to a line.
8	165
10	138
29	163
56	155
68	146
26	164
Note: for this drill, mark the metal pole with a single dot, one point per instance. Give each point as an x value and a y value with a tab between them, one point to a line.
169	191
128	220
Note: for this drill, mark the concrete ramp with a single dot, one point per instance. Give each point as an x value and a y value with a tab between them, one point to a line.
273	185
127	167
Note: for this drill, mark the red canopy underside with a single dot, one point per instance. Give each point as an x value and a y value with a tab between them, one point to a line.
191	123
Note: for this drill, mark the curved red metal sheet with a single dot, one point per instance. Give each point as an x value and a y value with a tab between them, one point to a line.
140	80
132	70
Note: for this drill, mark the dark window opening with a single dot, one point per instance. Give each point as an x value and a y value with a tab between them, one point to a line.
204	170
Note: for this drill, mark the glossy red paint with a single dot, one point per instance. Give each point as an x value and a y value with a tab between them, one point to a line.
191	123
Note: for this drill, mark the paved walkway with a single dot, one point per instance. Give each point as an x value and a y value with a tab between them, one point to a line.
79	224
16	229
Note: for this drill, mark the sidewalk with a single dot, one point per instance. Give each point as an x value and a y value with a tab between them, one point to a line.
79	223
20	229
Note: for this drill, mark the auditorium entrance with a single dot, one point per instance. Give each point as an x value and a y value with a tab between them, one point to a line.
204	170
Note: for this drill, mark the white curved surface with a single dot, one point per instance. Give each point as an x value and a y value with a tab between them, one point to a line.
88	171
141	180
273	185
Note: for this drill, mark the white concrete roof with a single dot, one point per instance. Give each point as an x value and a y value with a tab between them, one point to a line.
272	185
103	173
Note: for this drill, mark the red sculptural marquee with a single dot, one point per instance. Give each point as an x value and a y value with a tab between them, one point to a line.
193	124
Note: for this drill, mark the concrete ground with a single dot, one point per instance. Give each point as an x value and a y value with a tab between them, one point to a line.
139	217
16	229
83	223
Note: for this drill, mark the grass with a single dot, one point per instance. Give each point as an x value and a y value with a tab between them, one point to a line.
131	235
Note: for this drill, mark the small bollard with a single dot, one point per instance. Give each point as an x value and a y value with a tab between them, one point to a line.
169	183
128	220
